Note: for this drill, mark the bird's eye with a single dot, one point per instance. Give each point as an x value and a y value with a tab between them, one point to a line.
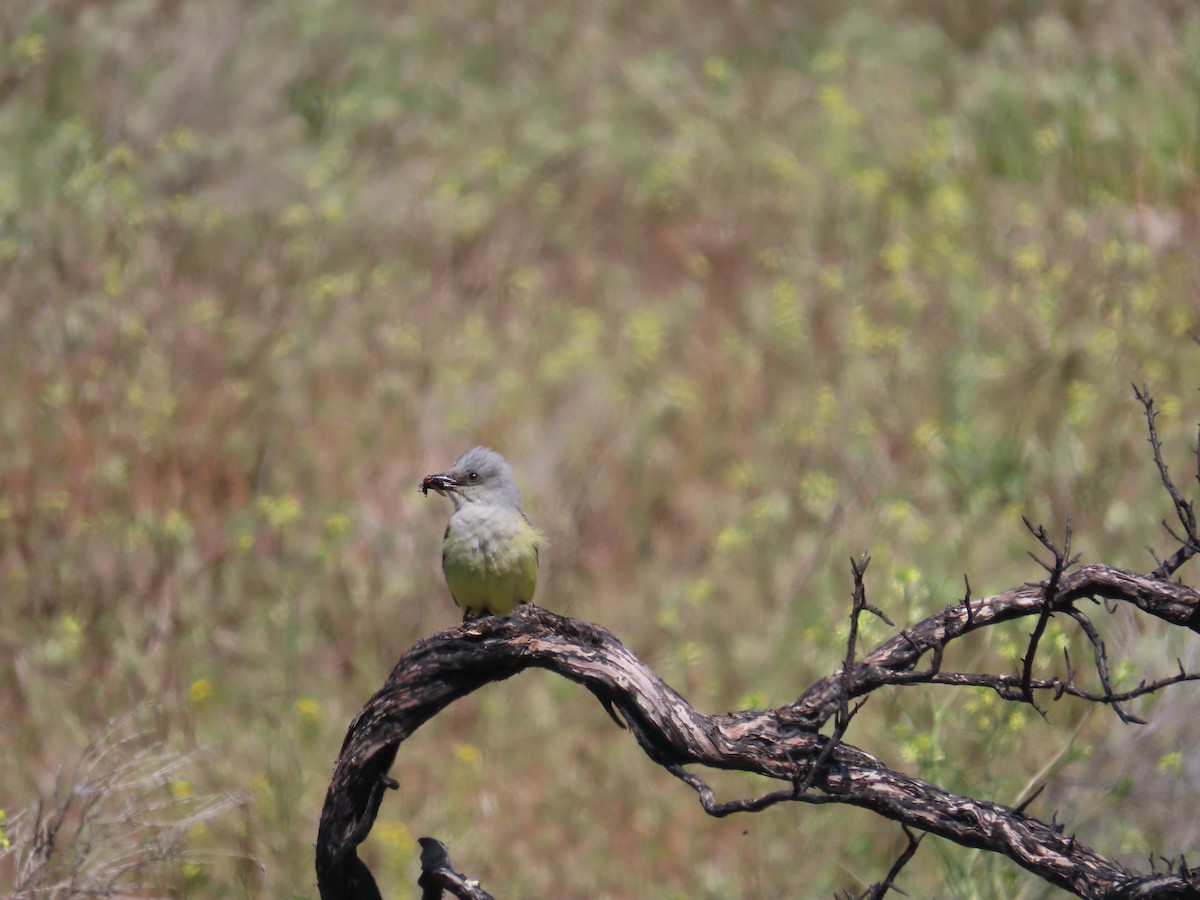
474	476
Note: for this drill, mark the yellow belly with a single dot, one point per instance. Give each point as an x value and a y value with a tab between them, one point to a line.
490	558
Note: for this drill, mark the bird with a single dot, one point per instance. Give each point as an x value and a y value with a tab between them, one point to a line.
490	548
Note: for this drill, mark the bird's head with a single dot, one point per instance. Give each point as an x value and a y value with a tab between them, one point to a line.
478	476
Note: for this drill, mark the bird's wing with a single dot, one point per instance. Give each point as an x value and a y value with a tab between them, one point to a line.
536	559
445	535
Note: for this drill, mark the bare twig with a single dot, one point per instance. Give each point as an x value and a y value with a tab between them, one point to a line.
1062	561
878	890
1185	510
1100	654
718	809
844	714
1010	687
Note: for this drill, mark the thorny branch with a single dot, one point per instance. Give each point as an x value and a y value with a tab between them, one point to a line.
785	743
1185	510
1062	562
844	714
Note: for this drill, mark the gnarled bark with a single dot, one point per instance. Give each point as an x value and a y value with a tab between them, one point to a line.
781	743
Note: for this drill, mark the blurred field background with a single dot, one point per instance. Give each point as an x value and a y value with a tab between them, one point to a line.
739	289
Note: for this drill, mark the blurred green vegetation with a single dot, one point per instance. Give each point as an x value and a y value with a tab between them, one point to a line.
740	290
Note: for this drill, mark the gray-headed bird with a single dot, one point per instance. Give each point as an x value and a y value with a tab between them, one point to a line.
490	549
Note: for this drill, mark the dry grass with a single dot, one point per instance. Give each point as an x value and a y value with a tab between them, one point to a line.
121	821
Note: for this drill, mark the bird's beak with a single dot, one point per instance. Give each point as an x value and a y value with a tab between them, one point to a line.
439	483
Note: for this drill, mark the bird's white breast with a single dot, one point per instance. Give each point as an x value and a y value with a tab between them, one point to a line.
488	534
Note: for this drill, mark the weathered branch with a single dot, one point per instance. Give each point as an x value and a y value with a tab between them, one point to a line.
782	744
785	744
